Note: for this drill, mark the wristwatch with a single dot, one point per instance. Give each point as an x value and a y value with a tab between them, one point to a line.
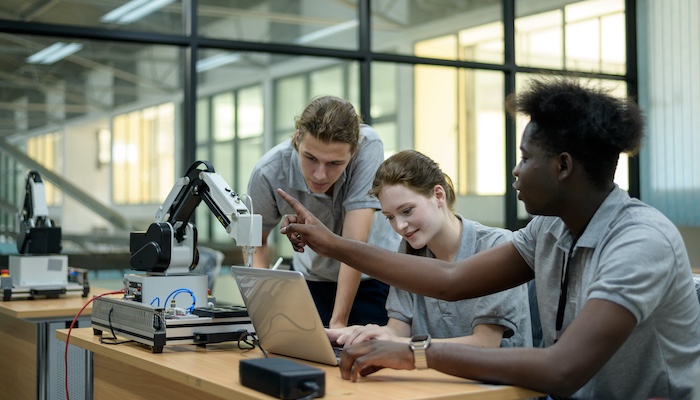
418	344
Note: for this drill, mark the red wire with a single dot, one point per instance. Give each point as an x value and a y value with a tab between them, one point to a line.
65	355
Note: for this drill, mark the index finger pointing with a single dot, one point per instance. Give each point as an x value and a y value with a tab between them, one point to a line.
296	205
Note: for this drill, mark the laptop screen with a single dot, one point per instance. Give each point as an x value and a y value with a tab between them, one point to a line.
283	314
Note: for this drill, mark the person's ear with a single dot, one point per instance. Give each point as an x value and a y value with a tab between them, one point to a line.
296	139
565	164
440	195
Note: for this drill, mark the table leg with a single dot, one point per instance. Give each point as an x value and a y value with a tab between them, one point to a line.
89	376
42	360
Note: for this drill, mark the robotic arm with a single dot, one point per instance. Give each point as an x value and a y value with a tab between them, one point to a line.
170	243
37	235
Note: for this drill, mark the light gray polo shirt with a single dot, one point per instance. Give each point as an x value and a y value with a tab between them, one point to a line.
632	255
448	319
280	168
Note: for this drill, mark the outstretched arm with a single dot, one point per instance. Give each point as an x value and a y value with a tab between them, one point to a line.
484	273
484	335
561	369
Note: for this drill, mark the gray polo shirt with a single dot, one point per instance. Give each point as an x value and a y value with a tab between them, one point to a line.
280	168
632	255
445	319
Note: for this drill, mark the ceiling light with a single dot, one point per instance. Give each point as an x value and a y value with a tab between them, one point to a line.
217	61
134	11
331	30
53	53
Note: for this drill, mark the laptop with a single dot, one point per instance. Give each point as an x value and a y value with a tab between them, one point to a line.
284	315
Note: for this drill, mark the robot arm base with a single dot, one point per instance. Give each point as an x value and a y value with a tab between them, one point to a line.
39	240
150	250
157	250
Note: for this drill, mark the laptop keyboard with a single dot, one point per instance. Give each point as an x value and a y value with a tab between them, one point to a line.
338	350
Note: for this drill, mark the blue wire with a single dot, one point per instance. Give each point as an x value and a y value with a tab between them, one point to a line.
175	292
158	299
178	291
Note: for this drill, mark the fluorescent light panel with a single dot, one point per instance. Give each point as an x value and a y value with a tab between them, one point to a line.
219	60
53	53
216	61
331	30
134	11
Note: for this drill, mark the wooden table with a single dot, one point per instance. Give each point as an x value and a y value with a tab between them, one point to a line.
132	371
26	337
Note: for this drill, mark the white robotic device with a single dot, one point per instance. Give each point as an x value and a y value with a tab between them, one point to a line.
166	293
38	270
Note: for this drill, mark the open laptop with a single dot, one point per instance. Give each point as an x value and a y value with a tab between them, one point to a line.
284	315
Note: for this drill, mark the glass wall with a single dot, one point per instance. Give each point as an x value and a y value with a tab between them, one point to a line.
318	23
142	155
167	83
581	36
161	16
48	150
473	30
229	135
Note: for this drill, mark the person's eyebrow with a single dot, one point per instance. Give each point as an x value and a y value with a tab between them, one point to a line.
306	153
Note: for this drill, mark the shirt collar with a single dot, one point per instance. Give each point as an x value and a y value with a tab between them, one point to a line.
468	242
597	226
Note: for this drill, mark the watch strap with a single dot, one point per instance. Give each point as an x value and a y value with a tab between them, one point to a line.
419	344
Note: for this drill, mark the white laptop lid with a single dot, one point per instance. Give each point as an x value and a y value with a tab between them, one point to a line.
283	314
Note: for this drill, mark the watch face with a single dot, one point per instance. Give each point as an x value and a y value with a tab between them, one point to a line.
420	338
